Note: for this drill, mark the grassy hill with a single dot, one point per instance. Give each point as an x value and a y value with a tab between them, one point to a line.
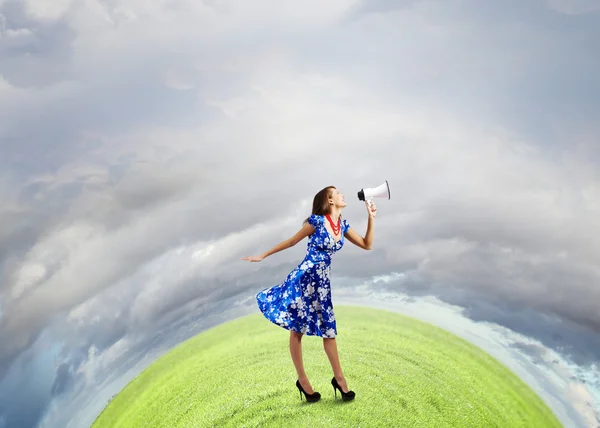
405	373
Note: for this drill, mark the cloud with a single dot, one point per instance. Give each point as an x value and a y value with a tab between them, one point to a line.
581	395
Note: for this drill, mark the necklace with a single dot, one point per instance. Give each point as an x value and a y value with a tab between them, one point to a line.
335	228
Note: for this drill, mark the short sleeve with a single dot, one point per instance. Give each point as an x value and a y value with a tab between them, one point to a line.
313	220
345	226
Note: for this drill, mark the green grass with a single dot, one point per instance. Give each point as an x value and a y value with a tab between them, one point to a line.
404	372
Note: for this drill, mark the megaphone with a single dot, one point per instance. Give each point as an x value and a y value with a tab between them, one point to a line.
381	191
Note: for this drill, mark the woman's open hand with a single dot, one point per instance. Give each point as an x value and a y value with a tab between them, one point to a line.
253	258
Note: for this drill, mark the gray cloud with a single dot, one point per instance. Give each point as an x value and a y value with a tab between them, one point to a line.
31	45
63	381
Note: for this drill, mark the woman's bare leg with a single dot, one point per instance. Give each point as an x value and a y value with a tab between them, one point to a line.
296	352
332	353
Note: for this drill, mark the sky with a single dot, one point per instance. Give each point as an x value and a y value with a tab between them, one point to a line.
146	147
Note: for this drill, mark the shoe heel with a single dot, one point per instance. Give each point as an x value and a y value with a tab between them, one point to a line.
346	396
311	398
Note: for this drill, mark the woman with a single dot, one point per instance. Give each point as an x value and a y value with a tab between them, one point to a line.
302	303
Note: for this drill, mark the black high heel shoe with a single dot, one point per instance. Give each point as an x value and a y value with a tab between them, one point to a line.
346	396
311	398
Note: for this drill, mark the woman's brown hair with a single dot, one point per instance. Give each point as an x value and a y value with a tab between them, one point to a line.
321	202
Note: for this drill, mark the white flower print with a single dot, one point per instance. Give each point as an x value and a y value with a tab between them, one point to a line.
310	289
280	317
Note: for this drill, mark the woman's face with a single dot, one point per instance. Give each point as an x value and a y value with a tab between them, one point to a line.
337	198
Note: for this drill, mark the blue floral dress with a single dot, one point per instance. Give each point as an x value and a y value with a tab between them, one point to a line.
302	303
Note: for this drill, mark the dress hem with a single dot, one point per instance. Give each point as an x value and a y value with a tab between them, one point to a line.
291	328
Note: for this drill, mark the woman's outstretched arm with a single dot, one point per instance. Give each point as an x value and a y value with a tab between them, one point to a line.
305	231
365	243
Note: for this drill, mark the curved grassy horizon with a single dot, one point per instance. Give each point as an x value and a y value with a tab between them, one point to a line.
405	373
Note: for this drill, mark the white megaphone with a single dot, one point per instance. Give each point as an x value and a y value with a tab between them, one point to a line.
381	191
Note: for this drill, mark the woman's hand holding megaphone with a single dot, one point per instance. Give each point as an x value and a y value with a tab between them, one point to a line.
371	208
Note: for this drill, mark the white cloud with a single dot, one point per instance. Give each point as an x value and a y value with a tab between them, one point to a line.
47	11
27	277
583	402
4	85
95	366
18	33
